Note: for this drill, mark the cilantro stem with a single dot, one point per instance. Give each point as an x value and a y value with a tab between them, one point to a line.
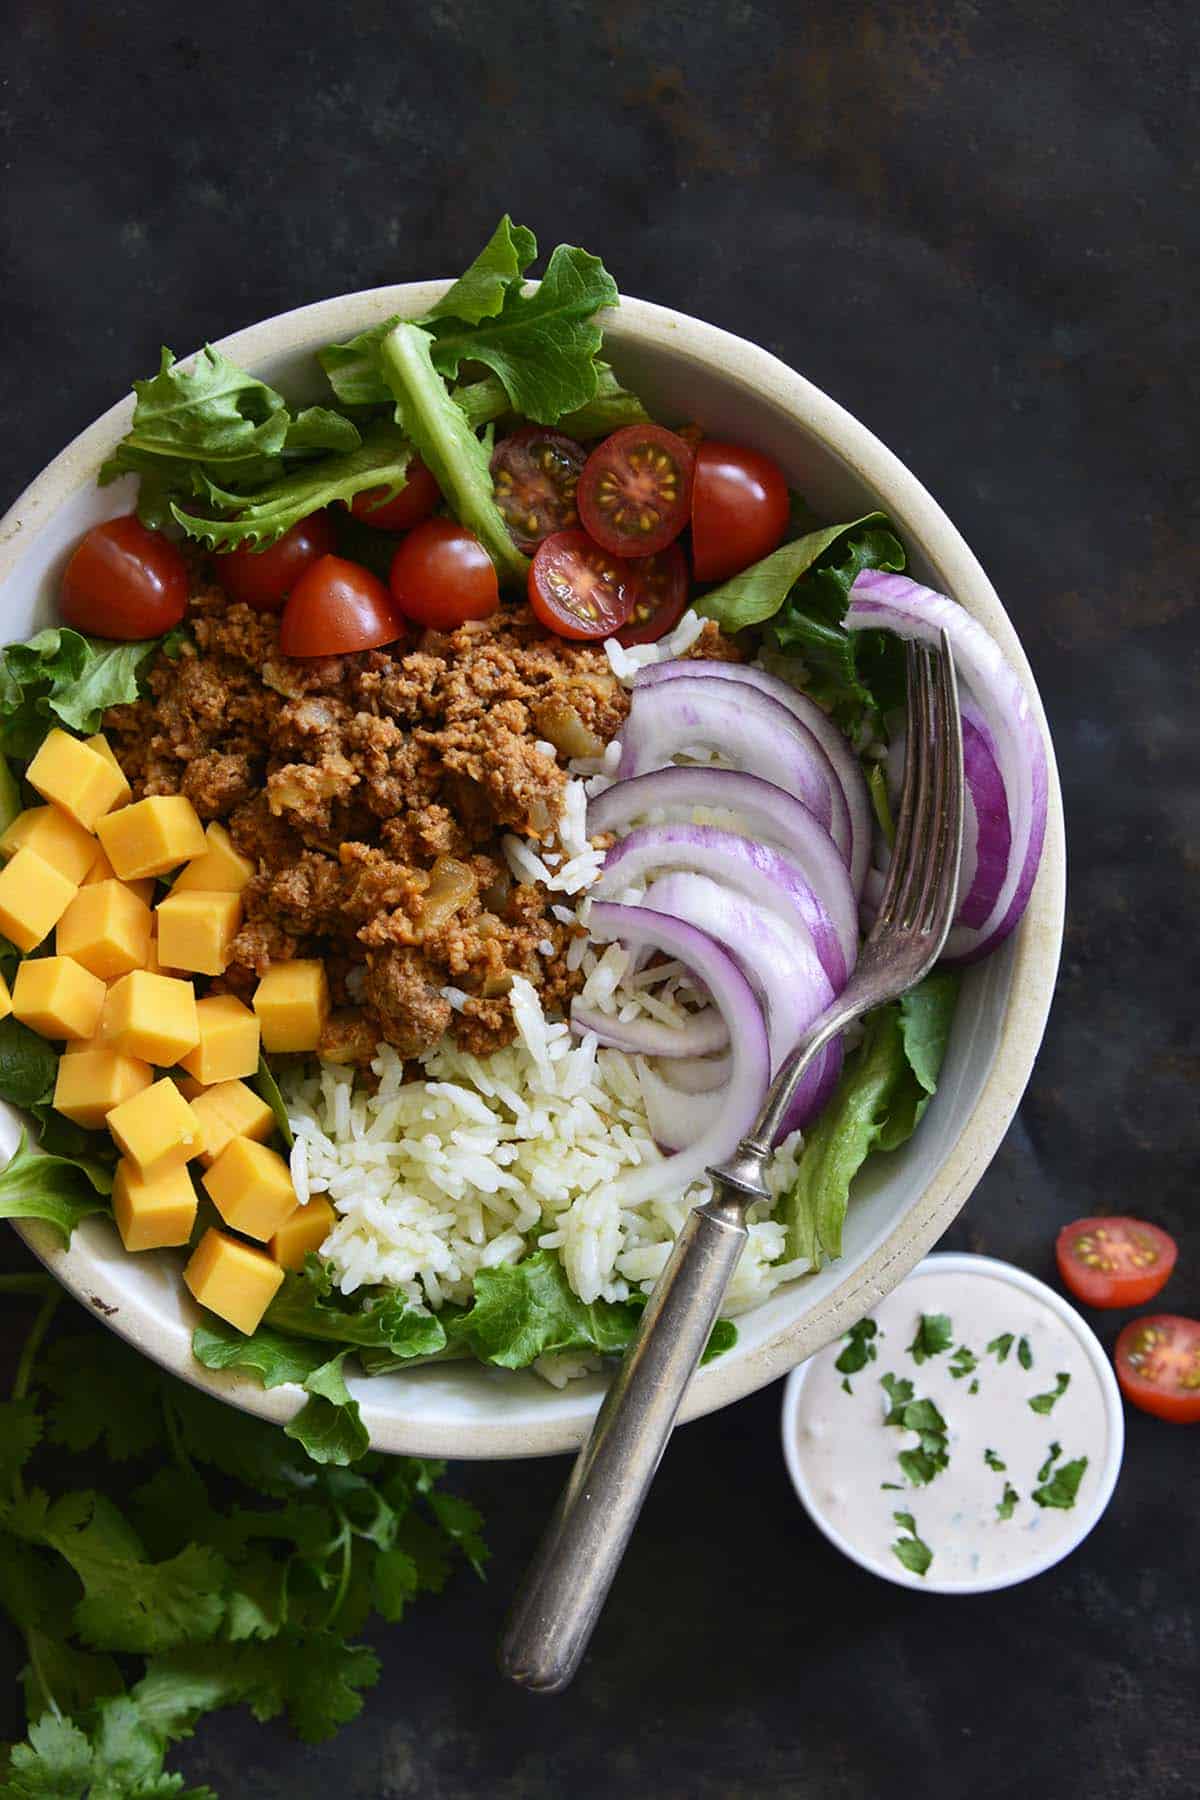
26	1284
171	1422
40	1674
33	1342
347	1538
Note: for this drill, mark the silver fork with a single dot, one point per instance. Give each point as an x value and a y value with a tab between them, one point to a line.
564	1591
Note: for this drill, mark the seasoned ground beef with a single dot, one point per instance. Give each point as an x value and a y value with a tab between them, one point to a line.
372	792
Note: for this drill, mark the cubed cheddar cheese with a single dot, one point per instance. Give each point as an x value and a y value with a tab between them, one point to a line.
292	1003
196	930
233	1280
156	1129
305	1230
221	870
96	1080
78	780
102	747
155	1214
228	1041
58	997
106	928
101	1037
153	1016
102	870
228	1110
153	963
58	840
5	999
251	1188
33	898
151	836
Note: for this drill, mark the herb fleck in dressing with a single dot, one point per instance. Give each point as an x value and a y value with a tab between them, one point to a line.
981	1481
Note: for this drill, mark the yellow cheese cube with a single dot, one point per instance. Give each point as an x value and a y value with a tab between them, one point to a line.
151	836
233	1280
102	870
153	1016
58	997
106	928
228	1045
221	870
102	747
251	1188
5	999
94	1081
153	964
292	1003
228	1110
57	839
33	898
196	930
151	1215
71	776
305	1230
156	1129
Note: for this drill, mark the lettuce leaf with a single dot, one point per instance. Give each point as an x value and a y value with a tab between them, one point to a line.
62	677
483	289
58	1190
758	593
857	676
885	1088
380	460
455	457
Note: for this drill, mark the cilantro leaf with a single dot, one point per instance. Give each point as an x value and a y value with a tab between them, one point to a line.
542	345
859	1350
1063	1487
994	1462
117	1405
1044	1403
910	1549
1000	1346
1052	1456
933	1335
1007	1502
20	1435
1024	1353
898	1389
921	1464
313	1675
55	1189
330	1426
964	1362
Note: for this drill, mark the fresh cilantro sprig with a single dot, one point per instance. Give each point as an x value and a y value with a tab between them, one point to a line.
934	1334
910	1549
860	1349
238	1573
932	1453
1007	1503
1062	1488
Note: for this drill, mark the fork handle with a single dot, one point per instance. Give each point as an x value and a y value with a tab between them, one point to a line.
558	1605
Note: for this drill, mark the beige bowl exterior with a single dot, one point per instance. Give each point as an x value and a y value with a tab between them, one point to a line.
685	369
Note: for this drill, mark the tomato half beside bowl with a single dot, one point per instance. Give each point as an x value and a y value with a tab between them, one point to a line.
338	606
1115	1262
1158	1366
124	581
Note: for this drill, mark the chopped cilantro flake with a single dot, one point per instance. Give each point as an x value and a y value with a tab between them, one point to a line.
859	1349
1063	1487
934	1334
993	1461
1000	1346
963	1362
1024	1353
1005	1505
911	1550
1044	1403
1052	1457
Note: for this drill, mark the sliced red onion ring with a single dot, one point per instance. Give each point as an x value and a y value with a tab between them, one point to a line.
761	873
704	1032
846	765
725	1125
893	602
779	963
987	839
765	812
748	729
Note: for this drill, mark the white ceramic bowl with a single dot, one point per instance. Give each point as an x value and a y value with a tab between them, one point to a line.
1083	1518
684	369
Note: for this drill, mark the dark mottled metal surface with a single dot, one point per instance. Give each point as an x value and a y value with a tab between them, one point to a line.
975	225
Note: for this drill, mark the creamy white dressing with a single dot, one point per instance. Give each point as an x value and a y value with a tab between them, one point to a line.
847	1453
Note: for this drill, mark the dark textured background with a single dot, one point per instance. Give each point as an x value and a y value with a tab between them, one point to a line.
975	226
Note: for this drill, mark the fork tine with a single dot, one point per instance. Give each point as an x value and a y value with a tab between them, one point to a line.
922	749
906	817
942	896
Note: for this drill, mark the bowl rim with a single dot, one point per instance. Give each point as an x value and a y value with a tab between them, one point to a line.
1034	947
963	1262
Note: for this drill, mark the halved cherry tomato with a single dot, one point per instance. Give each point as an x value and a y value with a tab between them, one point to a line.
739	509
124	581
1114	1262
335	607
578	589
535	473
1158	1366
660	596
635	492
442	575
415	501
263	579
